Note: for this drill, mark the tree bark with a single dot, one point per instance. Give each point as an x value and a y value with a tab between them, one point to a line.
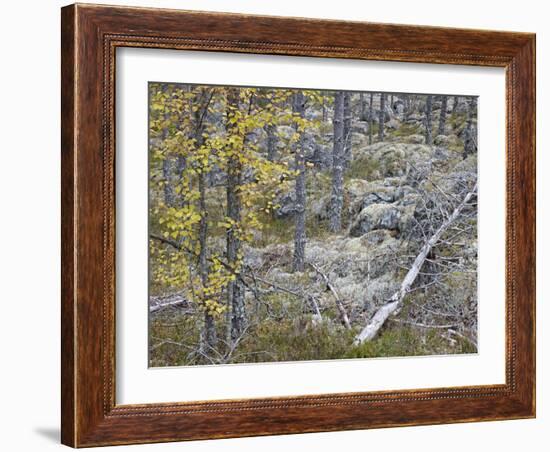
470	139
271	130
337	194
209	335
371	118
167	177
347	129
455	103
442	116
406	106
379	318
363	106
381	117
428	120
324	107
300	188
235	290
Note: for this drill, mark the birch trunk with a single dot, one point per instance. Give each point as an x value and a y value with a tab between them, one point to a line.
167	177
235	290
209	334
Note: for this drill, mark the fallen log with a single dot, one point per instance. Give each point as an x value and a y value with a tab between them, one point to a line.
370	331
179	301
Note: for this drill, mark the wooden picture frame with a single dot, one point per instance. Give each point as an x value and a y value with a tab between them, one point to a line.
90	36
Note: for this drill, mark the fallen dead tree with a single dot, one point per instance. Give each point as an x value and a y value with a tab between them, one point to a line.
173	302
381	315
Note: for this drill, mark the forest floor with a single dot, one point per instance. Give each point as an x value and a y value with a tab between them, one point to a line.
296	316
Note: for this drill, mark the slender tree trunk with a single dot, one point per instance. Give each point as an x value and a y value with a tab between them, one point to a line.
363	106
181	165
271	130
406	102
428	120
371	118
337	194
209	334
300	166
442	116
235	290
470	139
381	115
347	129
324	106
167	176
455	103
167	173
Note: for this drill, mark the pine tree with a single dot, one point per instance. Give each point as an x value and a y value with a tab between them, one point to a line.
371	118
442	116
347	128
470	139
337	193
428	120
299	102
381	117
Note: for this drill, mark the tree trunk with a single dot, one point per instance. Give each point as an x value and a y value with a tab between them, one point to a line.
167	177
271	130
371	118
442	116
406	106
379	318
235	290
300	189
337	195
363	106
470	139
324	106
209	334
381	117
428	120
347	129
455	103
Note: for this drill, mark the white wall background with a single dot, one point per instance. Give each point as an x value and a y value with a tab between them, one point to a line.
29	225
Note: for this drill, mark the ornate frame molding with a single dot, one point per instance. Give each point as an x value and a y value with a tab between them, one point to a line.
90	37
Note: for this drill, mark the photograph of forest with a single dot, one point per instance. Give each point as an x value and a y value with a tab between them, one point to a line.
293	224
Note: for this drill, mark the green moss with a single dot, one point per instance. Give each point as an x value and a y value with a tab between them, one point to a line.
364	167
405	130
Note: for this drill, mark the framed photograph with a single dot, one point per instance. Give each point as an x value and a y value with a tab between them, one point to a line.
280	225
